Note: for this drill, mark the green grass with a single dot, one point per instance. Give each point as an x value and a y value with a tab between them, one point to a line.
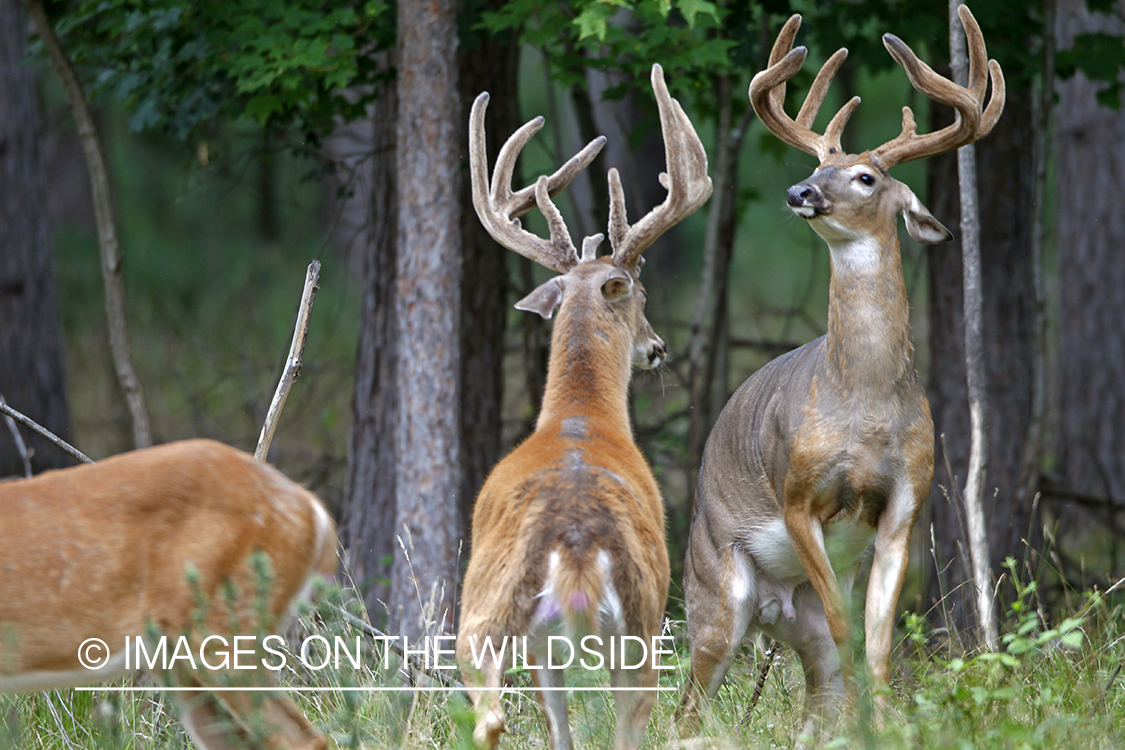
1054	682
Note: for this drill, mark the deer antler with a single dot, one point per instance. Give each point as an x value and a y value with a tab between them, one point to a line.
767	95
499	208
686	181
971	123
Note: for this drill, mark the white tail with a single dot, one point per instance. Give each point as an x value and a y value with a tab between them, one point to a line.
161	541
830	445
568	531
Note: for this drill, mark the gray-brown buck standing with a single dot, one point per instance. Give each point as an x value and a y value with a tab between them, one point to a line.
832	444
568	531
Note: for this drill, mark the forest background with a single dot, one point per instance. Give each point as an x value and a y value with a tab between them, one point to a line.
246	138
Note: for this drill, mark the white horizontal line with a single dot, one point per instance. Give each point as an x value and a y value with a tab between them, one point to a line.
371	689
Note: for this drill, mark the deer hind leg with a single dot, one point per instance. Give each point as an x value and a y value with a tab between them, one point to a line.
486	703
810	637
634	706
807	536
552	699
719	595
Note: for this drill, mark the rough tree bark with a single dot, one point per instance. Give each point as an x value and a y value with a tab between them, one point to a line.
1090	230
1006	174
488	62
428	438
32	377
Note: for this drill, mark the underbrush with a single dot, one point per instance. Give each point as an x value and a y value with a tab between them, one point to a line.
1053	682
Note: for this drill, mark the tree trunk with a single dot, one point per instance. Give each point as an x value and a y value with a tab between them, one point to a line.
428	438
488	63
1006	176
367	525
32	378
1090	228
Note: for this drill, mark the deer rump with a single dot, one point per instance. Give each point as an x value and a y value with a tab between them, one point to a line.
573	571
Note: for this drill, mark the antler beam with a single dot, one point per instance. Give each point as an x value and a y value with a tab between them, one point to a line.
499	208
971	123
686	181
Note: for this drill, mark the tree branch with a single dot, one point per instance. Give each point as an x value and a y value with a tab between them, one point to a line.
292	362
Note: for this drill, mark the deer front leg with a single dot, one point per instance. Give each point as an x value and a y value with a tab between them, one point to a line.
807	536
888	570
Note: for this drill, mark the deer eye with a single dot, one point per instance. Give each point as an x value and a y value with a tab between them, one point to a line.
867	179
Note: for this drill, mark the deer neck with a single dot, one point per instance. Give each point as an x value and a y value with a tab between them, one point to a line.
868	337
589	368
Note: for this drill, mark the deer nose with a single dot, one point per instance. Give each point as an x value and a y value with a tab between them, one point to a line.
802	195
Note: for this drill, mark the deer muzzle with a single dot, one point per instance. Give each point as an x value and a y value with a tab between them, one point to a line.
805	200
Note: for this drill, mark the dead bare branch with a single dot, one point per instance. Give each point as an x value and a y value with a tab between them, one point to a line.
292	362
27	421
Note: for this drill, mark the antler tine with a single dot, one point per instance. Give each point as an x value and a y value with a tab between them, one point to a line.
970	124
686	180
767	95
498	207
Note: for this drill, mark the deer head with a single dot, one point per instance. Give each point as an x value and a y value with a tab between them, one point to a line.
609	285
850	195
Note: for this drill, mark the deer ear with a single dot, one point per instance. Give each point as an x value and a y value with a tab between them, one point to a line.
921	224
545	299
617	285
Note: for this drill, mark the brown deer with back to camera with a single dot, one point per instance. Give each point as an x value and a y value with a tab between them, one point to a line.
832	444
164	538
568	530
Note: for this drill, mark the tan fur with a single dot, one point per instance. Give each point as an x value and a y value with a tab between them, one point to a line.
576	487
830	446
104	551
568	531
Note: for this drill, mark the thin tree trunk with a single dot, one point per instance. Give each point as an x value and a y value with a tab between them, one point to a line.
974	354
424	579
367	525
107	225
32	376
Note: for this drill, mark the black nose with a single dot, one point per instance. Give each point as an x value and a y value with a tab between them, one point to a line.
801	195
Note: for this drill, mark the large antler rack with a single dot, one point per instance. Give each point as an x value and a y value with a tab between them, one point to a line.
767	95
499	207
686	181
971	123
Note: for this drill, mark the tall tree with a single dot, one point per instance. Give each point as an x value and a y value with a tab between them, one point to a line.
428	438
32	378
1090	230
488	62
366	527
1005	178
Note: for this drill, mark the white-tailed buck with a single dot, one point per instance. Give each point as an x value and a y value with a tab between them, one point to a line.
568	531
831	445
191	539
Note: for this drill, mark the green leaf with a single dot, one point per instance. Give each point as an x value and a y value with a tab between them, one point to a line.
1073	639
